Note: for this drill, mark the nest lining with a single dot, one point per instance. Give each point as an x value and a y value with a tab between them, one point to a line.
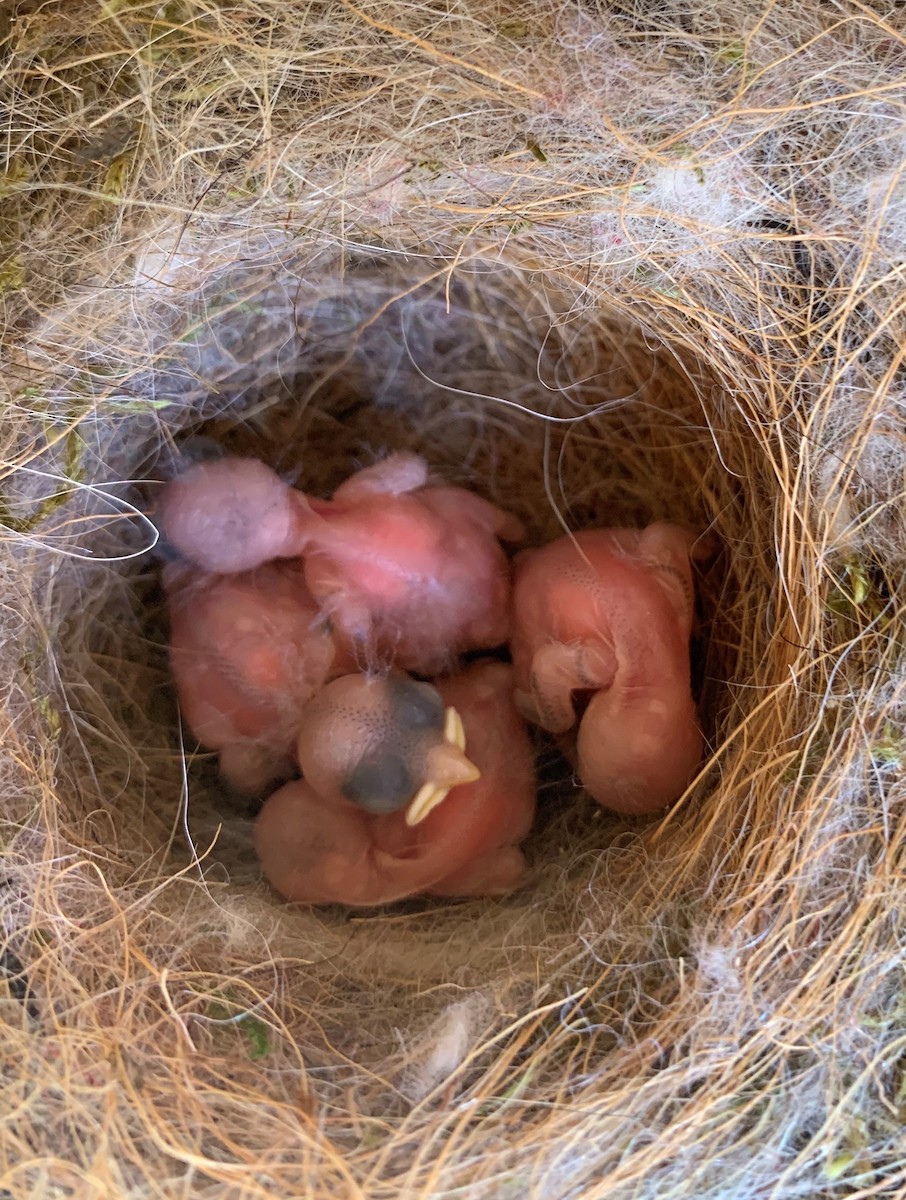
691	220
597	423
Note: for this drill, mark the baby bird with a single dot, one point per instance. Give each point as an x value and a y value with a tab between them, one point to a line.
408	572
408	789
247	652
605	616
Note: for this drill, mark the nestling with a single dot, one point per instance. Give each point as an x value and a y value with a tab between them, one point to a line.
408	572
605	615
247	652
408	789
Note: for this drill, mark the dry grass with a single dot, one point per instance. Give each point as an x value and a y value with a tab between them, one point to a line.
606	261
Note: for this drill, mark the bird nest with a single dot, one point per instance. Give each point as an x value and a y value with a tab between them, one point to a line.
605	263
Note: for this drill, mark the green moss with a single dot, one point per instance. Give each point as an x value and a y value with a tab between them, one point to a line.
515	29
733	53
227	1008
138	406
850	1158
889	748
513	1091
117	175
50	714
73	451
15	177
12	275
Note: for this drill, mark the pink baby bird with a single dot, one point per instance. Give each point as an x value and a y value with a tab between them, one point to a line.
409	572
247	652
607	614
408	789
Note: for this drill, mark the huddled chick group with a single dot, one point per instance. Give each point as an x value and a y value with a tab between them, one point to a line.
304	634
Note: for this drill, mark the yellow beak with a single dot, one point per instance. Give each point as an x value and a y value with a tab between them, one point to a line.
448	768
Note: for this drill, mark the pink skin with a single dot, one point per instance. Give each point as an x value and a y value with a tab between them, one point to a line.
319	851
609	611
247	652
409	573
230	515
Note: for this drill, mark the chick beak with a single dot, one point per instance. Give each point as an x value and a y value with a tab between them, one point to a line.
448	768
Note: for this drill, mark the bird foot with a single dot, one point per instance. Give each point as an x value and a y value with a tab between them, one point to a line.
558	670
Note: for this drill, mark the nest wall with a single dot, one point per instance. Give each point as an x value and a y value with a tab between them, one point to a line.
604	262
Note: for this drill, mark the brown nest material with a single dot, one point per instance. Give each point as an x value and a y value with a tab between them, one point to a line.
604	262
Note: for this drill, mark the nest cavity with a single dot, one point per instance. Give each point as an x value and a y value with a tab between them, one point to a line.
606	264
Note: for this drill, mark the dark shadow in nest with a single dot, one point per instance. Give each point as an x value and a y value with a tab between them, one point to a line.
570	423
